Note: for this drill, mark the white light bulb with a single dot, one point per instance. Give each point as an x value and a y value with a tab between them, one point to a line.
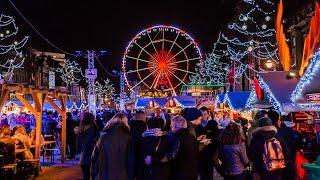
15	42
267	18
7	31
1	35
244	27
264	26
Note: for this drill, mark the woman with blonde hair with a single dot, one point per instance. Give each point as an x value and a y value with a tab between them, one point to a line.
112	157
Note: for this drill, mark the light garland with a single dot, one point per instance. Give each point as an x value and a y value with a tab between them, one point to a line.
106	90
70	72
256	41
9	45
252	98
274	102
307	78
211	71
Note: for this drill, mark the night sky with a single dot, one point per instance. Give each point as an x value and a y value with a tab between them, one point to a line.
81	25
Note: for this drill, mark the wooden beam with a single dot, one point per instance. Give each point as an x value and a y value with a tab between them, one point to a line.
27	104
36	100
51	102
63	101
39	97
3	98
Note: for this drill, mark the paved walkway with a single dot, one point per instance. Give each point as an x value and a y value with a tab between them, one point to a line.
70	170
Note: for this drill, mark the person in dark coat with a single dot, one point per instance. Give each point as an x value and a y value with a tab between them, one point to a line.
112	158
185	164
137	126
49	125
264	132
71	137
293	139
208	128
232	152
159	149
87	135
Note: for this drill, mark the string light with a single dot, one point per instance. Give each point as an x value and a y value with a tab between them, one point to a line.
106	90
16	59
310	74
252	98
211	71
70	72
274	102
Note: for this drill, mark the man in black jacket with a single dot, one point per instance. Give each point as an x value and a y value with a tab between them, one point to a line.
185	164
209	128
293	139
137	126
261	135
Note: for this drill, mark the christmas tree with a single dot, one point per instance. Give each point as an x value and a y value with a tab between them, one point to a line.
11	56
212	71
251	36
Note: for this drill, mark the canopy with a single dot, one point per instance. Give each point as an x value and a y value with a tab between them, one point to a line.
237	100
309	83
185	101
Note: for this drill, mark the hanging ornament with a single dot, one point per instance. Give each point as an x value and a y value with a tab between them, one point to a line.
264	26
244	27
267	18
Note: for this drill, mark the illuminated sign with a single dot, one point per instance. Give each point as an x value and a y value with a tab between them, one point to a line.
315	97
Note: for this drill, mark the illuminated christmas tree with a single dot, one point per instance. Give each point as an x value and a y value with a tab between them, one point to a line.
211	71
11	56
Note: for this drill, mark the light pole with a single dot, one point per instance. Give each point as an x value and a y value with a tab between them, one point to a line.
91	75
122	83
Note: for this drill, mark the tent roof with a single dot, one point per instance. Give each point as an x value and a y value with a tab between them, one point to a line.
237	100
186	101
278	86
309	83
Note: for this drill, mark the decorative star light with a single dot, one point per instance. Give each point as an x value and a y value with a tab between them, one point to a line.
70	72
10	48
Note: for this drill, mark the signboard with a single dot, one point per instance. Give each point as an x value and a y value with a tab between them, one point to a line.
91	73
52	80
314	98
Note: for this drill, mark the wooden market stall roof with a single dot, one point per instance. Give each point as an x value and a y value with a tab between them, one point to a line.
39	95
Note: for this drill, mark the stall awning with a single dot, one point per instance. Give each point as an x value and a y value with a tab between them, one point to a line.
309	83
278	89
161	102
185	101
142	102
237	100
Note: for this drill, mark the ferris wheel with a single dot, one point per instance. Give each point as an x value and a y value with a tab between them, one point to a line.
161	58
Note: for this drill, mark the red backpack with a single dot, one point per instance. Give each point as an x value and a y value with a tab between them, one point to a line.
273	157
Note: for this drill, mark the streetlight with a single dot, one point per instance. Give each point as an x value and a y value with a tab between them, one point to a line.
269	64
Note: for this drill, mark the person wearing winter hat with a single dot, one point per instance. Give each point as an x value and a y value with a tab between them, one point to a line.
275	118
261	135
293	139
193	117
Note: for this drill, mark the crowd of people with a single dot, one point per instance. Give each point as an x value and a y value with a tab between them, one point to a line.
189	145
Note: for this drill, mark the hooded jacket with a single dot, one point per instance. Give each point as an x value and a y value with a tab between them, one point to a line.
259	136
162	149
112	158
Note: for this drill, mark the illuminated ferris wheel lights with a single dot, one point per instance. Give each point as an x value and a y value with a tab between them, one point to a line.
163	54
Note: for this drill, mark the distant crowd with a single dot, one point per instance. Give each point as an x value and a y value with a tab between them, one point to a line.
192	144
